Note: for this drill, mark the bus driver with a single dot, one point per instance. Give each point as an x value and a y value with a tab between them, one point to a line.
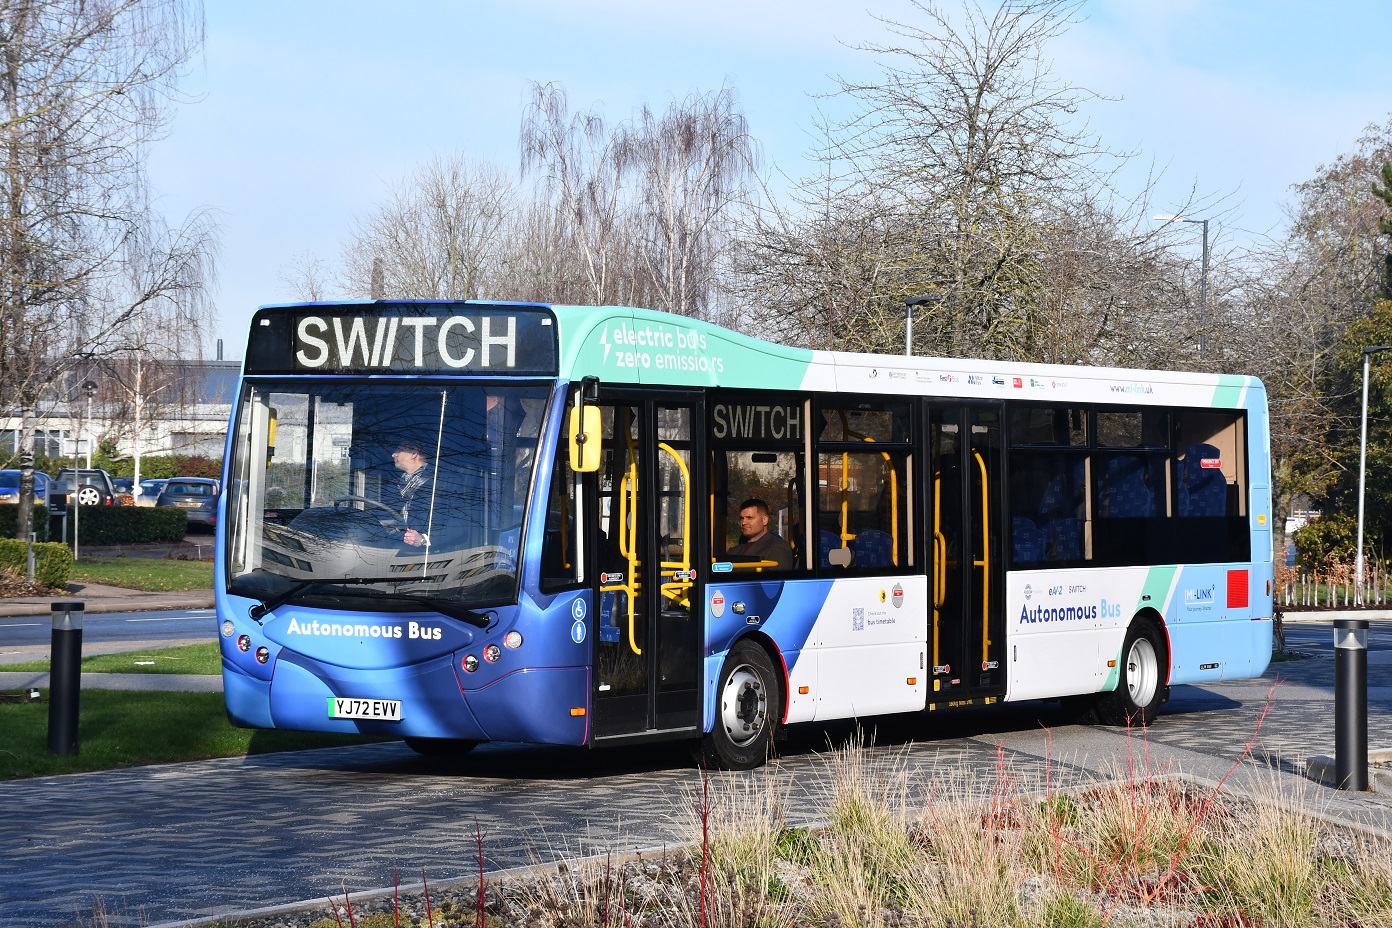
410	459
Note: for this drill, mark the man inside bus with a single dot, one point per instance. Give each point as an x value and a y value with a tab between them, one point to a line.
756	541
410	458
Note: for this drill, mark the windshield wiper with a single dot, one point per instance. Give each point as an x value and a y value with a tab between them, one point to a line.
476	619
262	608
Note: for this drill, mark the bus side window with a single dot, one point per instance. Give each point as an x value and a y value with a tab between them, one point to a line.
559	567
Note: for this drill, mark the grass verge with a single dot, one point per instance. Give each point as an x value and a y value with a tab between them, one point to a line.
202	658
153	574
127	729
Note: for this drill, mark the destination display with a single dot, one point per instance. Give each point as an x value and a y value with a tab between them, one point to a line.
403	338
756	421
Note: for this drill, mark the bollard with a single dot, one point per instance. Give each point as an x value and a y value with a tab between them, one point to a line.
64	677
1351	704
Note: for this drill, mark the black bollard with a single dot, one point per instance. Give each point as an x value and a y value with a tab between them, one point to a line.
1351	703
64	677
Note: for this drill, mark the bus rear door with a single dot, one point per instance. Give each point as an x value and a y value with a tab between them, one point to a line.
966	639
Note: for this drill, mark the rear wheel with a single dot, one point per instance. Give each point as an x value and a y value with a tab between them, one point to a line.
748	706
89	496
1141	687
441	747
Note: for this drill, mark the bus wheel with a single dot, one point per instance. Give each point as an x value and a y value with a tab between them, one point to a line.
441	747
1141	689
747	708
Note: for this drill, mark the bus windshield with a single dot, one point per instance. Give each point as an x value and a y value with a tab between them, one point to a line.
370	495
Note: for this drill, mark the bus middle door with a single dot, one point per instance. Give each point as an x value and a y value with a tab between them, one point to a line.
647	649
966	635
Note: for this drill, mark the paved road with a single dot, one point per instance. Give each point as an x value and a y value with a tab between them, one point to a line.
187	840
28	632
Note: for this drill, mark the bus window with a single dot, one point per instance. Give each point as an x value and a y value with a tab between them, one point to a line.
771	476
560	551
862	511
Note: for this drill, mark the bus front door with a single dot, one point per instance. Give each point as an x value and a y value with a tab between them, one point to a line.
966	640
647	646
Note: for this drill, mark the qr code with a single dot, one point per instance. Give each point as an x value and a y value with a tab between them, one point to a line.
858	620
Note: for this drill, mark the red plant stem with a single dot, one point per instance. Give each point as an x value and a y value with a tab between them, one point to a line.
429	916
478	840
705	837
348	906
334	905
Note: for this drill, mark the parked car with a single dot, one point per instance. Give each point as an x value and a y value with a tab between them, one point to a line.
197	496
150	490
9	486
93	488
123	484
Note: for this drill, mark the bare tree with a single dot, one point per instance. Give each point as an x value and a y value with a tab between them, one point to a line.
85	85
582	177
688	169
962	177
440	235
307	278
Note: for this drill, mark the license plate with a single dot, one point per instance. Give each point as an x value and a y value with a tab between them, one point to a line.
383	710
185	504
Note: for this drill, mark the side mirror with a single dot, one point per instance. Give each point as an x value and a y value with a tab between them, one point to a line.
585	433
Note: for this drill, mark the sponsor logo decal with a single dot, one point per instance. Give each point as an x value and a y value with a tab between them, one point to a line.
1203	596
1056	590
1017	382
998	381
1029	591
975	380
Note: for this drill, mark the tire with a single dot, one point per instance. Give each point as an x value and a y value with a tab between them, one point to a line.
1141	688
441	747
88	496
748	707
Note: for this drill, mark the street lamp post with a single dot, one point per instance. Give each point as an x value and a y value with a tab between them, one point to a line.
74	503
1203	273
1368	352
909	303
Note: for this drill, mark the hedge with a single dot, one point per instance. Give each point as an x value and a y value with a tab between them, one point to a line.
123	525
9	520
53	561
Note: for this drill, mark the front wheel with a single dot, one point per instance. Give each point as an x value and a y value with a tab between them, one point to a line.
1141	689
748	706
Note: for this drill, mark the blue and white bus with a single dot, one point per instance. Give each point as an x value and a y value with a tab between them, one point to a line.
567	568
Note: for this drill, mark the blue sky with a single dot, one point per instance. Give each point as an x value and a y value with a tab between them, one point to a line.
304	112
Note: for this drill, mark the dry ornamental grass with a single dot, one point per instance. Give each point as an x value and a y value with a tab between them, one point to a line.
1137	848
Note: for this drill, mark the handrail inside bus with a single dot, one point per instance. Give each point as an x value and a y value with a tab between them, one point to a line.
679	590
845	486
985	562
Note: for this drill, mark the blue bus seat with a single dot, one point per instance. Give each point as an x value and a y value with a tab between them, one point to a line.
1124	489
874	548
829	542
1203	491
1027	542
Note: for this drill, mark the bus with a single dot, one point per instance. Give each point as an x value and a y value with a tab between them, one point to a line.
464	522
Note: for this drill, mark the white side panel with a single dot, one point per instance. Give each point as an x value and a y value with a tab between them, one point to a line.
1065	625
869	643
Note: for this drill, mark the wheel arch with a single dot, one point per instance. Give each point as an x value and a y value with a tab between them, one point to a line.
1156	619
780	666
